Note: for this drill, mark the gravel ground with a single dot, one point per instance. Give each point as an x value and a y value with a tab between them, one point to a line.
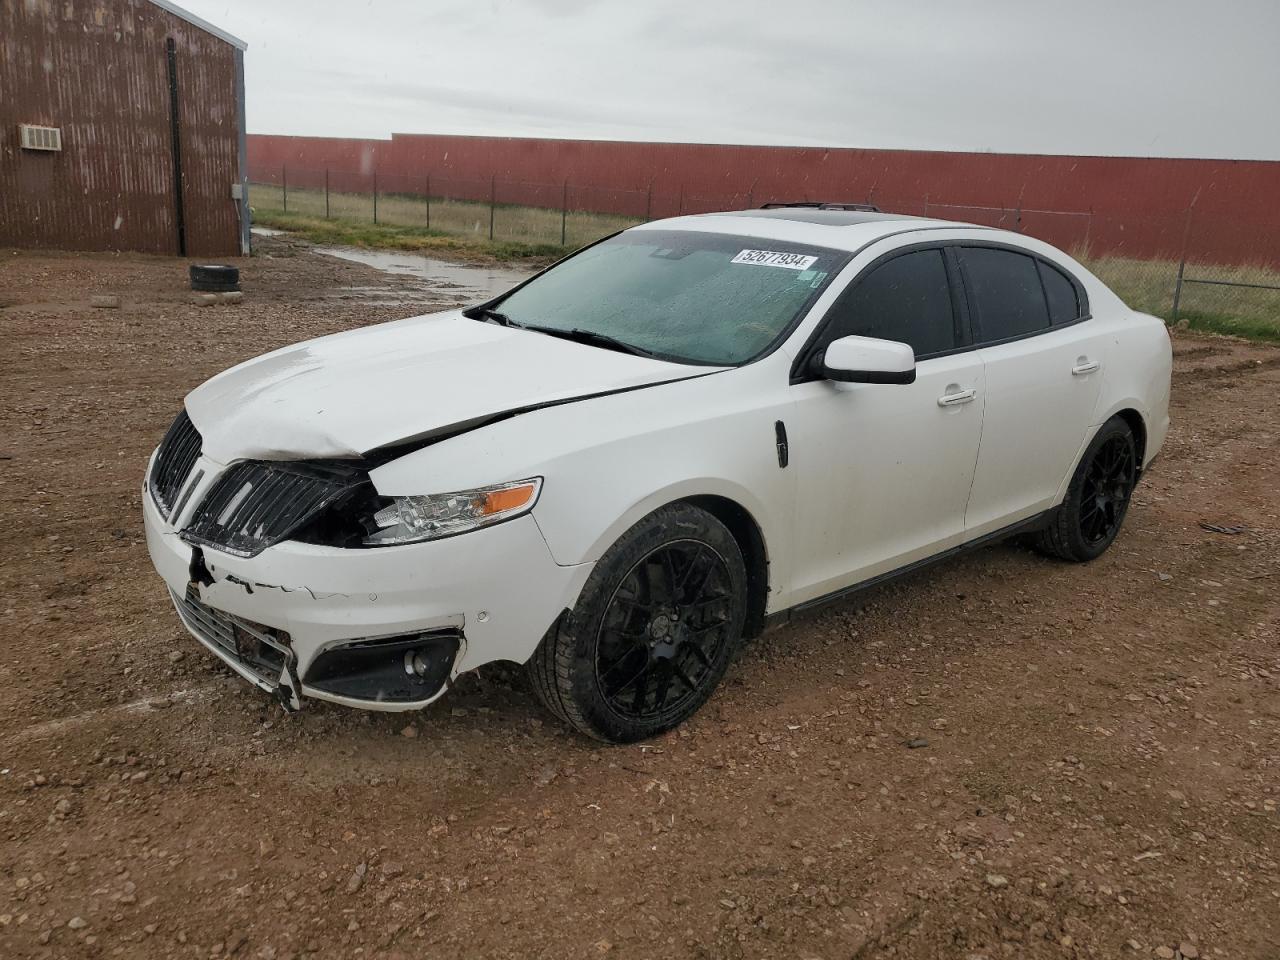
1096	760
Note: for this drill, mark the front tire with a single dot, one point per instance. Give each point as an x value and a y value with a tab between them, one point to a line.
1097	499
651	636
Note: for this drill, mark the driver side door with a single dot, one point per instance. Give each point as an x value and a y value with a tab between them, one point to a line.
883	471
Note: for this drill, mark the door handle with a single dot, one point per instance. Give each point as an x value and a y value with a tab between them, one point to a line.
955	399
1084	367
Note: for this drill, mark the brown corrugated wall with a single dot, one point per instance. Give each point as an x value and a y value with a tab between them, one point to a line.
97	69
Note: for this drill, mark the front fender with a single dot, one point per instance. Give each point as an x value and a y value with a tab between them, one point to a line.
673	493
608	462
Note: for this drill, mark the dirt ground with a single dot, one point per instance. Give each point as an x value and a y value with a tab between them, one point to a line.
1101	775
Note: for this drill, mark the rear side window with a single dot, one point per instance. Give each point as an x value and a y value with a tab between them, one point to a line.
1064	304
1005	292
906	299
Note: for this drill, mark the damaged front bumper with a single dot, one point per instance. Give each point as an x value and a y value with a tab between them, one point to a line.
383	628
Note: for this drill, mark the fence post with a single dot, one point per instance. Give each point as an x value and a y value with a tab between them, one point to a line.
1182	261
648	203
284	185
564	214
680	206
375	198
493	201
428	201
326	193
1177	288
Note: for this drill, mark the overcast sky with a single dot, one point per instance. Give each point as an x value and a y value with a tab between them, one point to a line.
1125	77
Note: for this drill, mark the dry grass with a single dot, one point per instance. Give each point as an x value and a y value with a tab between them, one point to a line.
1149	285
364	233
532	225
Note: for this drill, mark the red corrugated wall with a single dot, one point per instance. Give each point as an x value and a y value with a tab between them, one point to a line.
1128	205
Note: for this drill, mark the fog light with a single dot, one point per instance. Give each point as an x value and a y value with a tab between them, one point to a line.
393	669
417	662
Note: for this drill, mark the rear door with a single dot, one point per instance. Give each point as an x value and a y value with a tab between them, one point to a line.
883	470
1044	363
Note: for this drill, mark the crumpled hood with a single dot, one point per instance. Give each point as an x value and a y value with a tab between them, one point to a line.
350	393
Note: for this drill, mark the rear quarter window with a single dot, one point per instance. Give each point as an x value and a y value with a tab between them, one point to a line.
1005	293
1060	292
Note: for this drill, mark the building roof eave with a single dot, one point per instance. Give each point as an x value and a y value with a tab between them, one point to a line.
203	24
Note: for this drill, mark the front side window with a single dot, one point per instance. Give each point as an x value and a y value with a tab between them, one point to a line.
907	299
691	297
1005	293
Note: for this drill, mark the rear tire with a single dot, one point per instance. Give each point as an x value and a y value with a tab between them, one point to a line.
651	636
1097	499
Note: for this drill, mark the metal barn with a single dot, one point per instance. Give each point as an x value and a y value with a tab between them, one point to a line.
121	128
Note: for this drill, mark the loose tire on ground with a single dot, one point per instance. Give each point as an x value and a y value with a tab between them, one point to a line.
1097	499
674	582
214	278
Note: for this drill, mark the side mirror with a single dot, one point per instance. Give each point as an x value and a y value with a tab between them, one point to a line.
866	360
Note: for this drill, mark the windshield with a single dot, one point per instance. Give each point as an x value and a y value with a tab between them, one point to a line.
701	298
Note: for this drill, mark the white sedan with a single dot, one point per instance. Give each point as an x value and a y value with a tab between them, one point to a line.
626	465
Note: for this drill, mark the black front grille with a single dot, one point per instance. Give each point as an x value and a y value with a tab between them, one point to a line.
178	453
255	505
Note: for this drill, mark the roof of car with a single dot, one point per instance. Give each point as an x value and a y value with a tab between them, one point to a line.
835	229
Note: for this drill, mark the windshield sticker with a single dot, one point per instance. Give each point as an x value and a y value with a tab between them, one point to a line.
772	258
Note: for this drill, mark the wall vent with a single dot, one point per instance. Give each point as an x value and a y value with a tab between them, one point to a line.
40	138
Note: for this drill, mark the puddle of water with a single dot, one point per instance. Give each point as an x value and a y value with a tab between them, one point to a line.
266	232
460	280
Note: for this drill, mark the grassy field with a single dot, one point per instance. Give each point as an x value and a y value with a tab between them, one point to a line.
461	227
1148	285
346	232
463	218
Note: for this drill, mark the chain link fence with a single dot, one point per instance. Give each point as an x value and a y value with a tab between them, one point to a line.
560	215
1156	264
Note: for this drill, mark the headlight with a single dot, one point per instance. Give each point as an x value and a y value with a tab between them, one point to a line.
410	519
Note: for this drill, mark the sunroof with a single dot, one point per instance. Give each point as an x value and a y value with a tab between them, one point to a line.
830	218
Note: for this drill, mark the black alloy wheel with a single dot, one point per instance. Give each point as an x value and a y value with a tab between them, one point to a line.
1097	498
664	630
1105	495
653	632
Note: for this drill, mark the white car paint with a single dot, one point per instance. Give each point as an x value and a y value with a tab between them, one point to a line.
889	445
880	475
864	353
323	596
431	373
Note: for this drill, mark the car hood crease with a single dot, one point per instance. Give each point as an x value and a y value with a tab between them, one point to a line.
351	393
